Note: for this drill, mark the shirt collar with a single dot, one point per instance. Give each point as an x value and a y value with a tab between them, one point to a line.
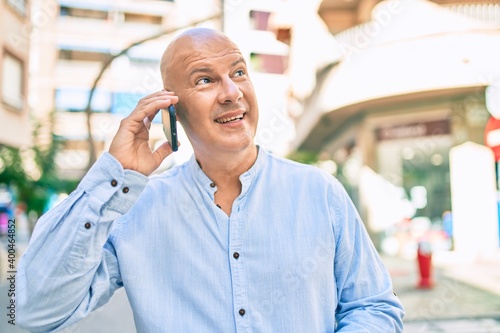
246	178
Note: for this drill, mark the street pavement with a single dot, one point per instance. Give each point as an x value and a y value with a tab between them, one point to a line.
454	304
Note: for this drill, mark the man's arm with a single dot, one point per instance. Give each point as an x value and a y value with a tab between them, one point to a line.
69	269
364	287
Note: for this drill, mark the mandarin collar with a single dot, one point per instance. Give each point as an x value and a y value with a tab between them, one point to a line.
246	178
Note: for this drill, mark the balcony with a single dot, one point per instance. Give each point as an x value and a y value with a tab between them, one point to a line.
105	30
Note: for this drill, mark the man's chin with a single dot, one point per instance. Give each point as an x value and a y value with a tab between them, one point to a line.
238	145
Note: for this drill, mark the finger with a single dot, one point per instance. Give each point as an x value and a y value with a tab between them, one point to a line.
160	94
162	152
147	123
152	116
149	108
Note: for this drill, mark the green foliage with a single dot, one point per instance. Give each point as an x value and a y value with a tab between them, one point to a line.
304	156
34	192
11	168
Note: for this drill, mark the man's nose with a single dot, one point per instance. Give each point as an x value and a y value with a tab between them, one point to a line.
230	92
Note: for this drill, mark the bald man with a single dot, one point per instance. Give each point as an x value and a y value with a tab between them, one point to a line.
234	240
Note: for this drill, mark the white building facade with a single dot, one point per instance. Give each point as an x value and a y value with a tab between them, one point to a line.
15	130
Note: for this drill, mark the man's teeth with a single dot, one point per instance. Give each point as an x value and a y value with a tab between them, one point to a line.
228	119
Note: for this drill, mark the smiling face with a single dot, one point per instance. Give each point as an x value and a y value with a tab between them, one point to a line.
217	103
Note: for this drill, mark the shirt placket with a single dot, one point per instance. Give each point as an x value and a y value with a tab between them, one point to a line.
237	260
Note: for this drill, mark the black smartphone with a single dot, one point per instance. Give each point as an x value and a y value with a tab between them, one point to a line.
169	121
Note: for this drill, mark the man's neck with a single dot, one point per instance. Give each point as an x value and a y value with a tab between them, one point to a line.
224	169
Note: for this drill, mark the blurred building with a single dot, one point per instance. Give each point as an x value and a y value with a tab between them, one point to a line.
407	84
14	60
74	39
71	42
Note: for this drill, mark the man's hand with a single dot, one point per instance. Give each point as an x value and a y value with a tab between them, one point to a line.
130	146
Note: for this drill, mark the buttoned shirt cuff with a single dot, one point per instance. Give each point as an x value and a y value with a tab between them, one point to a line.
110	184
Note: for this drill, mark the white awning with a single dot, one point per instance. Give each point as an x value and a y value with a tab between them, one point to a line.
411	46
454	60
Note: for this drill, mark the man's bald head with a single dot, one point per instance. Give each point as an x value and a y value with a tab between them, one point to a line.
192	43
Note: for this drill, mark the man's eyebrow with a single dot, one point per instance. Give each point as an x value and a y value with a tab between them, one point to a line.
210	70
200	70
241	59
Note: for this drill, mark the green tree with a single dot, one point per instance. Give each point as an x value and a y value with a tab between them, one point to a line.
36	190
304	156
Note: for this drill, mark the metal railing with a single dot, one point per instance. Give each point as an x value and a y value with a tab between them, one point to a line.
361	34
485	13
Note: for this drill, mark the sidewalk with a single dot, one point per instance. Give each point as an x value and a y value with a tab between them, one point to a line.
481	273
462	290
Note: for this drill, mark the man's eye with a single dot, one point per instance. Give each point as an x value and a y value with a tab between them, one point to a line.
239	72
203	81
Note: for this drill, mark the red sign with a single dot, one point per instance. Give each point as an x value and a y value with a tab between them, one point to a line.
492	136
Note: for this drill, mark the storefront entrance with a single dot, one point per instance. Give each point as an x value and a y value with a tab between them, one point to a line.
416	158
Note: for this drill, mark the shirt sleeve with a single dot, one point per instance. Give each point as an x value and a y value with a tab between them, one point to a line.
367	302
70	267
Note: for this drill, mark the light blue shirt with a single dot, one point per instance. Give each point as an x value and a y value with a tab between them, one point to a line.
294	256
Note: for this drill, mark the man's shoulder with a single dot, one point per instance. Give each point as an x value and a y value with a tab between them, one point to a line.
175	172
288	167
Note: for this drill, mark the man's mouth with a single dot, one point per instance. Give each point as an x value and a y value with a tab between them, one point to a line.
229	119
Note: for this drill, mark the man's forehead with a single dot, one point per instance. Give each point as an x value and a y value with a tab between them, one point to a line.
205	44
227	58
197	46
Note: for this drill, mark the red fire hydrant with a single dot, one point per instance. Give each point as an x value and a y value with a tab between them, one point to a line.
424	258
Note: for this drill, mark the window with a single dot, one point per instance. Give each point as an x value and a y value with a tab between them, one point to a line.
284	35
12	81
259	20
124	102
142	18
19	5
83	55
75	100
84	13
268	63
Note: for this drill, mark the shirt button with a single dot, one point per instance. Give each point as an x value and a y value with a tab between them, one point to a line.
242	312
125	190
87	225
114	183
236	255
212	185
